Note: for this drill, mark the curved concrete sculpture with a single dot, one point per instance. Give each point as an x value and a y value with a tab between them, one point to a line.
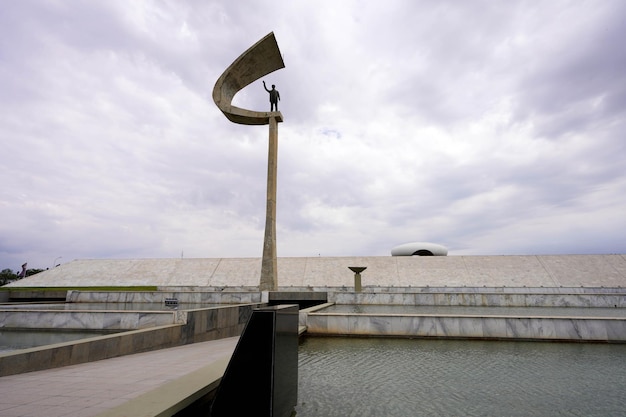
260	59
419	248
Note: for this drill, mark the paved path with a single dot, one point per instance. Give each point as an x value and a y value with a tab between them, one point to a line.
89	389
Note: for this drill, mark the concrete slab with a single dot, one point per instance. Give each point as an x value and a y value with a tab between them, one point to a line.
108	386
384	271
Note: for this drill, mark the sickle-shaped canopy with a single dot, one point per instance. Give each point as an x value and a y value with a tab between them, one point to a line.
260	59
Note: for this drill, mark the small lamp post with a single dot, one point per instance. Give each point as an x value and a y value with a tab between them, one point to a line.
357	276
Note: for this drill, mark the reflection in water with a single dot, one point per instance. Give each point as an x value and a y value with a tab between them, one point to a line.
417	377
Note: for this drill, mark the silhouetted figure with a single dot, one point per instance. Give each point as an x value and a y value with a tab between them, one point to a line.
274	96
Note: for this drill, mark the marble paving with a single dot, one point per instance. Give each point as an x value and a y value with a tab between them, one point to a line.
92	388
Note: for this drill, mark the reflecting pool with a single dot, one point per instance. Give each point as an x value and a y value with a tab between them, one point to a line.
417	377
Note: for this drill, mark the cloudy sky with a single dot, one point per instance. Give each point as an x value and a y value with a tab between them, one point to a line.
488	127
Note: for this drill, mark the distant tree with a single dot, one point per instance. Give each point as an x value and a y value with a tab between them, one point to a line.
7	276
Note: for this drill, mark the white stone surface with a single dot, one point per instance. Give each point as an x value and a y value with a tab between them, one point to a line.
408	249
205	297
443	326
549	271
88	389
479	299
81	320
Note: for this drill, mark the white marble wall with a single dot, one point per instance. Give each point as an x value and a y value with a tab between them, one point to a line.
81	320
118	319
556	328
480	299
198	297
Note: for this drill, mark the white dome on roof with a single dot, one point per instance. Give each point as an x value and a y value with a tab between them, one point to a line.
419	248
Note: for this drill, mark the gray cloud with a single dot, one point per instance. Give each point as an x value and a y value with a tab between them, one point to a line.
489	128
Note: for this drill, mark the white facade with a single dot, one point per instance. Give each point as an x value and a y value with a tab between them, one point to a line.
419	248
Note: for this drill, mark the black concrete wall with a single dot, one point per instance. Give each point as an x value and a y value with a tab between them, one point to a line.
262	376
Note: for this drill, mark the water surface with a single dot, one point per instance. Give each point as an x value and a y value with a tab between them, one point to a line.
416	377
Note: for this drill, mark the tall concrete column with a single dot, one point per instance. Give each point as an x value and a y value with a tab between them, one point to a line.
269	270
259	60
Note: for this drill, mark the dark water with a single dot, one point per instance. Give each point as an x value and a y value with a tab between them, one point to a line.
412	377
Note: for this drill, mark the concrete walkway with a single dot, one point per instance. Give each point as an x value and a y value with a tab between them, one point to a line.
110	387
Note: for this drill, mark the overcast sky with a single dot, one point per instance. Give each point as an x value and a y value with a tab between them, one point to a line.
491	128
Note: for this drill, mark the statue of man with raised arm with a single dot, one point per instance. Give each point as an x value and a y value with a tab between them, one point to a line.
274	97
